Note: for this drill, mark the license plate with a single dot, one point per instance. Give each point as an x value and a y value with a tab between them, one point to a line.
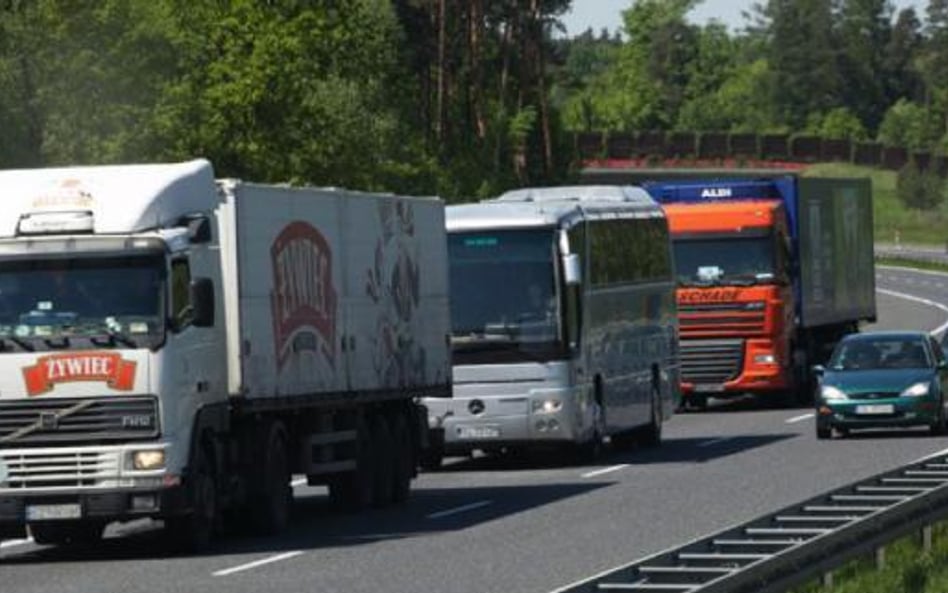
875	409
52	512
478	432
709	388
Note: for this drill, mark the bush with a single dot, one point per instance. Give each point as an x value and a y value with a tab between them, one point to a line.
920	190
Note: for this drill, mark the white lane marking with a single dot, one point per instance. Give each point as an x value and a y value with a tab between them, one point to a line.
909	297
799	418
256	563
298	482
930	456
461	509
714	441
16	542
605	470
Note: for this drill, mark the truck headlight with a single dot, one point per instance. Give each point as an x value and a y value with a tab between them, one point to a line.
917	390
830	393
765	359
147	460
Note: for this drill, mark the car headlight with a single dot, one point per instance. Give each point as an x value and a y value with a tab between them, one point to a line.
917	390
830	393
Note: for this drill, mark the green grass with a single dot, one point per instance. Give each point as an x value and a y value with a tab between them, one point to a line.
889	215
907	569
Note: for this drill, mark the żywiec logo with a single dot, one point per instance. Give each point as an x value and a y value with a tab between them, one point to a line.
303	299
109	367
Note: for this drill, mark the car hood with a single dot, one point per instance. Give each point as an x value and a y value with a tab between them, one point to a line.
878	381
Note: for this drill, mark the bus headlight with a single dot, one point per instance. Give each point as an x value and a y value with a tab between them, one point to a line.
547	406
148	460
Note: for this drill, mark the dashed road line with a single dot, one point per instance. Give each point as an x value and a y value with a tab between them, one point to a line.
605	470
461	509
257	563
800	418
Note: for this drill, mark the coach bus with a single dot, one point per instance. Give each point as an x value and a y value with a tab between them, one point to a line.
564	329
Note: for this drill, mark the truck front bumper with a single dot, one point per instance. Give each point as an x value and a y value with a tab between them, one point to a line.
104	506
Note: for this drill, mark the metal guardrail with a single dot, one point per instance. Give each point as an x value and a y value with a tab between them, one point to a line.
914	253
781	550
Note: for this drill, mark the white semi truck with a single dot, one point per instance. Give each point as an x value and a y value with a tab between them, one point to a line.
176	347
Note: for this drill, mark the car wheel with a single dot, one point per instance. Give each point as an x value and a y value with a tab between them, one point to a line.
824	432
938	426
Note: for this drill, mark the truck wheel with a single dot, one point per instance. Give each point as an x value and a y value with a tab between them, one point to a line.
383	446
73	532
354	490
273	496
195	532
404	460
432	456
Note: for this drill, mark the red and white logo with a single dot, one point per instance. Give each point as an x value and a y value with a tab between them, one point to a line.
303	300
108	367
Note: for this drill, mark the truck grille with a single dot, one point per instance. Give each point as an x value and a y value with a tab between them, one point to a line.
60	469
711	361
722	319
59	421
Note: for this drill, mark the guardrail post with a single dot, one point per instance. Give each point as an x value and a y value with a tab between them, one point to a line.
880	558
927	538
827	580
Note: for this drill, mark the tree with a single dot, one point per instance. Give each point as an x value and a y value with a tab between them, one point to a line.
864	31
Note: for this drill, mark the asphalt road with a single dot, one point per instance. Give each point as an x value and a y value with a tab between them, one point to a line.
528	524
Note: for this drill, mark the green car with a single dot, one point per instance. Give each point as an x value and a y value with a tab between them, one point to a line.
882	379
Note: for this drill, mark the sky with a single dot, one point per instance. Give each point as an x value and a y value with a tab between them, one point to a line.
606	13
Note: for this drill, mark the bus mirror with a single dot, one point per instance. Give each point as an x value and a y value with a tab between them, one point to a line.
571	271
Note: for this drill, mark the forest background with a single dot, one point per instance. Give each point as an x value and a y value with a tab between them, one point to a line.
459	98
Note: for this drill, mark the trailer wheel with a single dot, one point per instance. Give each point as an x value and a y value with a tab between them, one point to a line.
354	490
404	460
63	533
383	446
273	496
195	532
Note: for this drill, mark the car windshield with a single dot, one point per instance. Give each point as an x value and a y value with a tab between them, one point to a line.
881	353
724	260
110	301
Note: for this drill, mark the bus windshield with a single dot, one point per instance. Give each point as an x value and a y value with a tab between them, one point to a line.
75	303
503	296
725	260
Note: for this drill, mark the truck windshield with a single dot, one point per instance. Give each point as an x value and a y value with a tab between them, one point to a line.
724	260
80	303
503	296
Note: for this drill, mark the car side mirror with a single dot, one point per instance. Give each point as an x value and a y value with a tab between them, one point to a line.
818	370
942	365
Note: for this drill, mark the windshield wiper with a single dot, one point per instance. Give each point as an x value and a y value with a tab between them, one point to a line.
740	280
111	338
25	345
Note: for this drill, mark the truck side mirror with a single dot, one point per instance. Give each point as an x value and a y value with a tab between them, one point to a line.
572	273
202	301
199	229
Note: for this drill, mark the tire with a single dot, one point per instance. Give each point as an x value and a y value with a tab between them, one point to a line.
823	432
383	449
591	450
404	467
272	495
696	402
195	531
652	434
432	457
67	533
938	427
354	490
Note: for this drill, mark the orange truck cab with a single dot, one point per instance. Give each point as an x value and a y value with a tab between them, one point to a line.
771	274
